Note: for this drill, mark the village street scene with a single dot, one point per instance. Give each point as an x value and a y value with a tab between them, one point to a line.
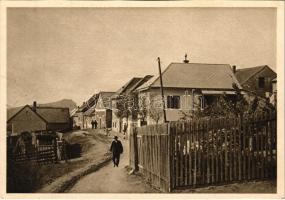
87	117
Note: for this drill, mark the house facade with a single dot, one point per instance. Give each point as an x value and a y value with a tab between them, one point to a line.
257	80
187	87
36	118
85	113
103	110
127	90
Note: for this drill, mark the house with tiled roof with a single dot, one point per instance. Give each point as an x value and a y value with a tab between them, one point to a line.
188	87
257	80
35	118
127	89
103	110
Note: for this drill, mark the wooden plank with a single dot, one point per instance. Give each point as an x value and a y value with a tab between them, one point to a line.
266	147
212	151
230	149
198	152
203	151
243	149
248	132
208	153
195	153
235	156
221	135
169	147
186	125
262	144
177	155
226	151
217	149
257	151
190	152
181	143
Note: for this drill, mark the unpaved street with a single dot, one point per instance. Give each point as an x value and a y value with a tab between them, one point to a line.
110	179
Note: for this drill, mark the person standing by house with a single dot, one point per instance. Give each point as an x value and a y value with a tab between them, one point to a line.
116	149
95	124
92	124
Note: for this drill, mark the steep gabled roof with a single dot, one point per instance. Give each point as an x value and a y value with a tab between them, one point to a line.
131	85
9	118
48	114
90	110
127	87
89	103
195	75
246	73
106	97
54	115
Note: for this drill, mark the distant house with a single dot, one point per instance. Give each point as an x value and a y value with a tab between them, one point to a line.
188	87
103	110
34	118
85	113
127	89
257	80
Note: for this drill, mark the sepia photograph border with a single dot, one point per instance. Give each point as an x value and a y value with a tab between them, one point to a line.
279	5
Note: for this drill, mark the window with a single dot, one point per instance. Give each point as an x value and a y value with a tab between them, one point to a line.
261	82
186	102
173	102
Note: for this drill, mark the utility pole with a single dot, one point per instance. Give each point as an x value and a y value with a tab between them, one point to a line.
161	89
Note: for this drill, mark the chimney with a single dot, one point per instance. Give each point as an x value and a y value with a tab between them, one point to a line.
234	69
35	106
185	60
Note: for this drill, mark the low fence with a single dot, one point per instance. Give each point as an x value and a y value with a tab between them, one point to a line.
43	154
206	151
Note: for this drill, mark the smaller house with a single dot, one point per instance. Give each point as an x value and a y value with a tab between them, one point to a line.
126	90
34	118
103	110
85	113
256	80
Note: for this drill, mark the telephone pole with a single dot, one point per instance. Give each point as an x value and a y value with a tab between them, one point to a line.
161	89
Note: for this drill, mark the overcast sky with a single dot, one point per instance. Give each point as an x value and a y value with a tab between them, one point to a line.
56	53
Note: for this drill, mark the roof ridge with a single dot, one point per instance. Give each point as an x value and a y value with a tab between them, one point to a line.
261	68
51	107
201	63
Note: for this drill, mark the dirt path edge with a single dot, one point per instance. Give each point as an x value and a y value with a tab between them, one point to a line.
67	184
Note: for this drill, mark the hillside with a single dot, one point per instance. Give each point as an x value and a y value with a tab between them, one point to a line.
66	103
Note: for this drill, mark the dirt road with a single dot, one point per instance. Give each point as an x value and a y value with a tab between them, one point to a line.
110	179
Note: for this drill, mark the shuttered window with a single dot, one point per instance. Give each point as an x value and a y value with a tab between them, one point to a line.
173	102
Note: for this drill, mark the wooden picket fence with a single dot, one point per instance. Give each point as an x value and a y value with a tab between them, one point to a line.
205	152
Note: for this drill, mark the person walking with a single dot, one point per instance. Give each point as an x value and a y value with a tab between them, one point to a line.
116	149
95	124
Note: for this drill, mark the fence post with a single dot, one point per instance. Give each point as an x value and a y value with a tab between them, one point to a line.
170	157
135	139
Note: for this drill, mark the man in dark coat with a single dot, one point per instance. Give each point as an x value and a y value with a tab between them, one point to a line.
95	124
116	149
